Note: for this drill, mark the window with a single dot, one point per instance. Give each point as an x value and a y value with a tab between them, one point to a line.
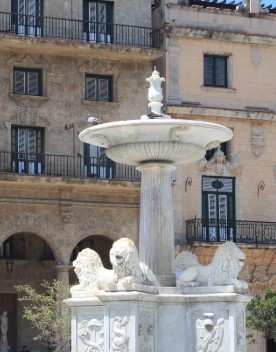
27	149
98	88
96	163
13	247
215	71
27	81
218	209
98	17
28	20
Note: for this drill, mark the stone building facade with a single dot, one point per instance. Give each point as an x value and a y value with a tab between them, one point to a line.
62	62
219	67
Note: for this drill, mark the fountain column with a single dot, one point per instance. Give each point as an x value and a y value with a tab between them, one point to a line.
156	235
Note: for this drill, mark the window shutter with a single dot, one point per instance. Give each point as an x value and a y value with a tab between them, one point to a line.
92	16
31	9
220	71
212	207
21	6
91	91
208	71
19	82
31	141
21	141
103	89
222	207
33	83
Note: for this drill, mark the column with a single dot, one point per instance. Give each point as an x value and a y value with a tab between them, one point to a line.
156	237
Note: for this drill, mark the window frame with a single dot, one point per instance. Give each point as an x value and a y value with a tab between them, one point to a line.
26	71
98	78
214	59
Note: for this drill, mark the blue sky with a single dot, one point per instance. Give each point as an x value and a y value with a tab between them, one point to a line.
269	2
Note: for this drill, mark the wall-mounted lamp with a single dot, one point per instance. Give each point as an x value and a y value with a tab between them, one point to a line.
67	127
9	265
261	187
188	183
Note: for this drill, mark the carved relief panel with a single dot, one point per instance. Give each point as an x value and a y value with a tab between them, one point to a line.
92	334
146	331
208	330
120	331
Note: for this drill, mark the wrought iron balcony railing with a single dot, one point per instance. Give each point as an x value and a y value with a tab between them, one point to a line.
66	166
93	32
239	231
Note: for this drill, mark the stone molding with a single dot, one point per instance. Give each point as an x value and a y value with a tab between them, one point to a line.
204	111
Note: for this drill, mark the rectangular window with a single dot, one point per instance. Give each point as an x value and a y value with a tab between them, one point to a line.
215	71
98	17
98	88
27	150
27	81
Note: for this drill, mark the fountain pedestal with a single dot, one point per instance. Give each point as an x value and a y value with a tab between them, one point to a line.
156	221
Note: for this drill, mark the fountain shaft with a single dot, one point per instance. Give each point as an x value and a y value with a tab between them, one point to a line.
156	235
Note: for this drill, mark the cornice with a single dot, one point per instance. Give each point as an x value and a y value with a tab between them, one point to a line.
202	111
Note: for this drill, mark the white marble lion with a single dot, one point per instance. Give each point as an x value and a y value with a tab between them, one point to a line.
125	263
224	269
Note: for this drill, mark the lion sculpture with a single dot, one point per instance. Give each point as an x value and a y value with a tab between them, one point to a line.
125	263
224	269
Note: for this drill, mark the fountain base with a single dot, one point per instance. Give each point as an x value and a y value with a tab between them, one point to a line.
124	321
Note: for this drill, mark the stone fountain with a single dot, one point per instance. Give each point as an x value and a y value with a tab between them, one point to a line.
144	308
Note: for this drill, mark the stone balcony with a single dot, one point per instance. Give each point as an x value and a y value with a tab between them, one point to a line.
78	38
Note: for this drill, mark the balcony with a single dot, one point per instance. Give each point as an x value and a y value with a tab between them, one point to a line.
66	166
101	36
239	231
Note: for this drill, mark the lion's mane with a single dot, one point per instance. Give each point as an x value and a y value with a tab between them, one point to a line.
125	261
86	265
224	269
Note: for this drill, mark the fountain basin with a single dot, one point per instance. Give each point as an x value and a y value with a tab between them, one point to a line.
135	142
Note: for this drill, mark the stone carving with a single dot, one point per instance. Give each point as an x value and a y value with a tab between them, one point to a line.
178	133
219	165
120	341
209	334
212	145
86	267
224	269
257	140
241	333
145	333
92	335
4	328
126	267
155	93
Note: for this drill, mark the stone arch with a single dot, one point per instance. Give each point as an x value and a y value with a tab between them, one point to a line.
35	232
110	235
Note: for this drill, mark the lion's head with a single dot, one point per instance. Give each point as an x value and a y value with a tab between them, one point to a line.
125	261
86	266
229	260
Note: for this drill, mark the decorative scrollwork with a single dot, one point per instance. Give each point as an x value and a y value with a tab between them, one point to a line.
177	133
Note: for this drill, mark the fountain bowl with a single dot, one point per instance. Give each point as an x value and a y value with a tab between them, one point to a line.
173	141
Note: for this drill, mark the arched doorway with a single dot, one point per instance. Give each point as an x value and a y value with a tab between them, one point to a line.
31	261
99	244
